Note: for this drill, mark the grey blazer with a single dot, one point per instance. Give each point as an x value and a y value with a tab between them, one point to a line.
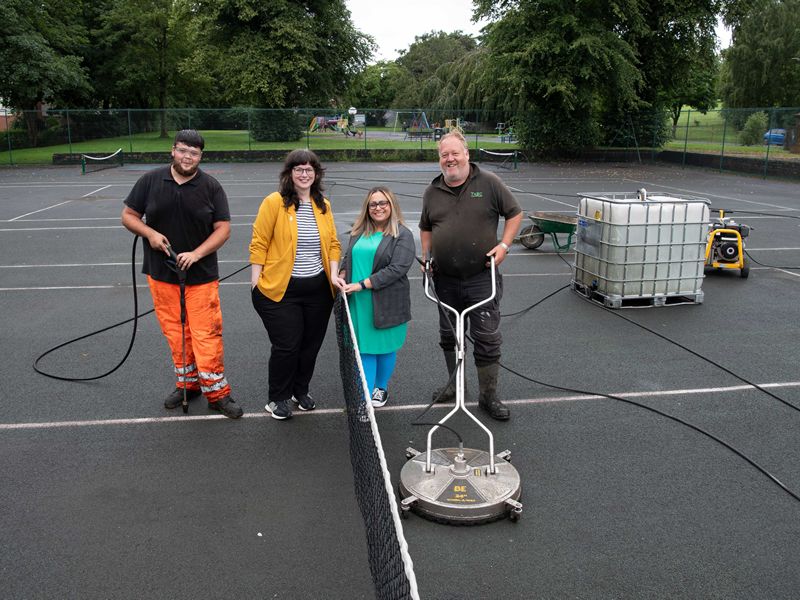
391	293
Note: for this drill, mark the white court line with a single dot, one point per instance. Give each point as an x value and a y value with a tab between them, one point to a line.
787	272
89	226
656	185
402	408
97	190
540	196
40	210
122	286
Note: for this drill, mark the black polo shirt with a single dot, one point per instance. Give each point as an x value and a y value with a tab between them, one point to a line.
185	214
463	220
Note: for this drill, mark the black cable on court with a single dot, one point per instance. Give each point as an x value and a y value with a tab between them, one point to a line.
135	319
700	430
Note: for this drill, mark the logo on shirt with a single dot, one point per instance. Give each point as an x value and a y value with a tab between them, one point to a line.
476	194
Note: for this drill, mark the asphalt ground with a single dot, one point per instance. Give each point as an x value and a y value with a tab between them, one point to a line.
108	495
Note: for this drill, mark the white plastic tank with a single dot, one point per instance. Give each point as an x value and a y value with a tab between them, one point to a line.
638	245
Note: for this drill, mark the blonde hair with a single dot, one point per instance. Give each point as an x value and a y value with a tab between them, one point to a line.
455	134
364	225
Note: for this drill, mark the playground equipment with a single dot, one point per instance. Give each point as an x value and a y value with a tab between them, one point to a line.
323	124
453	125
345	124
411	120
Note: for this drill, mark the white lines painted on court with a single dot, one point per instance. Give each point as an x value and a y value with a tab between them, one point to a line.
707	194
40	210
183	419
541	197
95	191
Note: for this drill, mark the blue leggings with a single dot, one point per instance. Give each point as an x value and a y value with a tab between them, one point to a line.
378	369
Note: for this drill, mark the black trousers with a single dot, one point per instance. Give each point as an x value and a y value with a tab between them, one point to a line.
296	328
484	322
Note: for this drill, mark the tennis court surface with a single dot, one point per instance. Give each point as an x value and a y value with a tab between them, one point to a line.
107	495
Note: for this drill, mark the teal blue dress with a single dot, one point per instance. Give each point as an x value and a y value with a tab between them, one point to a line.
370	339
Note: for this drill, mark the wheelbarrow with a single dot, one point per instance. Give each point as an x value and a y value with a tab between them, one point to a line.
551	223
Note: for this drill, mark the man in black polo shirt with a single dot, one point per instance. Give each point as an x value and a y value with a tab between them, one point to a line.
461	210
179	207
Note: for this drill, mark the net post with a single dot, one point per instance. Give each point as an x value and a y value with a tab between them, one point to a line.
69	132
83	165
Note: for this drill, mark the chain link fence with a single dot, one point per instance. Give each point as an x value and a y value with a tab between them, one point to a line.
755	139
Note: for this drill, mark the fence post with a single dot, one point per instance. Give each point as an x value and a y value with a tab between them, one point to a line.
69	133
769	129
686	137
724	134
130	131
8	137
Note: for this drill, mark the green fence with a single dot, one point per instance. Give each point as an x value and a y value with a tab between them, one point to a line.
720	138
33	137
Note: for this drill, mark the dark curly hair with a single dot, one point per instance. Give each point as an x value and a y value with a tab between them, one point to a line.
293	159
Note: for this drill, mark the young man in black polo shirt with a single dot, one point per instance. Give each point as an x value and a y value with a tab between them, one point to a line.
461	210
180	207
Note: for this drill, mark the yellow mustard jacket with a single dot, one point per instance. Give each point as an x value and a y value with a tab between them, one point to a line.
274	244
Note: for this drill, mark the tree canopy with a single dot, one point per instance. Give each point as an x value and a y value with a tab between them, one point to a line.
762	66
39	42
277	54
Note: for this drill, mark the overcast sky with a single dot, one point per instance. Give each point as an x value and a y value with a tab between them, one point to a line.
394	24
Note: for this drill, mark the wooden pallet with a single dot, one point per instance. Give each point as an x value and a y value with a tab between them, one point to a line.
615	301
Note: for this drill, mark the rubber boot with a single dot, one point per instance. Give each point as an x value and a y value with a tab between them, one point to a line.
487	381
447	393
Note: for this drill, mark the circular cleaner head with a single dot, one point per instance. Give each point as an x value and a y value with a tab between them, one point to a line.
460	489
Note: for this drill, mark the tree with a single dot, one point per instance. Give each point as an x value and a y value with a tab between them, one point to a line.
38	42
376	87
277	54
423	61
144	42
762	66
582	73
559	62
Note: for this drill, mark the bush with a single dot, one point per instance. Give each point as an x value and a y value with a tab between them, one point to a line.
276	126
552	133
753	131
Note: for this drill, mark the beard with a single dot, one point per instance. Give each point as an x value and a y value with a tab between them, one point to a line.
180	170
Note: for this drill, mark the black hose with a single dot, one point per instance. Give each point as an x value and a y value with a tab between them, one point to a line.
135	319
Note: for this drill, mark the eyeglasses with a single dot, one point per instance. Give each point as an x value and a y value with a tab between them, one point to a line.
378	204
193	152
303	170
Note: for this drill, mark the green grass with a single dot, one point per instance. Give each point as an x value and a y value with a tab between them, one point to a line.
237	140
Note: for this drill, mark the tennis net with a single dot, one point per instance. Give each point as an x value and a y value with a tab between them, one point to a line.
389	560
504	160
90	164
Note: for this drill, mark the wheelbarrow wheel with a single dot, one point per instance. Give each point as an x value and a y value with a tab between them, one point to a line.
531	237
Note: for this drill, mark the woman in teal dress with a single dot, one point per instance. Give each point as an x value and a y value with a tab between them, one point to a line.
375	267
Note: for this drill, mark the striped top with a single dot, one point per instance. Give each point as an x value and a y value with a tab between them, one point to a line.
308	260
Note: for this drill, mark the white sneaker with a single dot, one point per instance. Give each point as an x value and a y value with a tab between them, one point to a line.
379	397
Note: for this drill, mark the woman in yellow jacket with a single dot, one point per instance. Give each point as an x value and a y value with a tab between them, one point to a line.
294	260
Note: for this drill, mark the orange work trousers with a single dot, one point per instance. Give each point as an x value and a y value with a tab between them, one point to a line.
204	368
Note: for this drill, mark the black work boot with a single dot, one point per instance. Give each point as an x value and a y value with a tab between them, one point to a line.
447	393
227	406
175	399
487	381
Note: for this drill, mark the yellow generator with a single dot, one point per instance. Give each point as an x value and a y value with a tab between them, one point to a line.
725	246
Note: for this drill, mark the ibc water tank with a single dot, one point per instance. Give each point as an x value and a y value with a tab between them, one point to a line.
640	246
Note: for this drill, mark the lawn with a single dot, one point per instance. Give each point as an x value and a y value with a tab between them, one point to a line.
374	138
